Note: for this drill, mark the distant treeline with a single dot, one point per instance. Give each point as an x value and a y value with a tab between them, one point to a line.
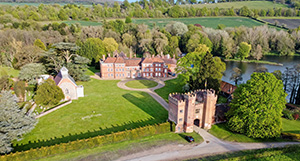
61	1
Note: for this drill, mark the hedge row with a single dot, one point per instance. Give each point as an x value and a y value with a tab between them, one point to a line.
88	143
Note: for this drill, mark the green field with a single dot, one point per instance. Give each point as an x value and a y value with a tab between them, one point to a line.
116	150
83	23
9	71
104	109
171	86
249	4
211	22
221	131
289	153
140	84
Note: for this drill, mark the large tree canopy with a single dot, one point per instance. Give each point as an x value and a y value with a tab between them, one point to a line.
200	67
257	107
13	121
30	72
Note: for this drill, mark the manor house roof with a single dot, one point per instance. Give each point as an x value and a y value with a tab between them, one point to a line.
133	62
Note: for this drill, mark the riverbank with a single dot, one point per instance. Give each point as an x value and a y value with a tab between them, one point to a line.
254	61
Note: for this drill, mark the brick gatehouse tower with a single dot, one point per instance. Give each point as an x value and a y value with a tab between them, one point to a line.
191	109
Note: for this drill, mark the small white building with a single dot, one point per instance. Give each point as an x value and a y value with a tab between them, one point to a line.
67	84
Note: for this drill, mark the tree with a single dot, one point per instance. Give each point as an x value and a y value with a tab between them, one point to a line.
256	108
19	89
176	28
30	72
13	121
48	93
201	70
92	48
110	44
39	44
236	75
128	20
244	50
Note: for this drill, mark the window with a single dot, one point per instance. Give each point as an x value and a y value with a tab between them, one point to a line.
165	70
158	64
147	69
159	69
147	74
181	111
123	75
144	75
197	111
116	75
112	75
151	74
158	74
116	69
108	69
123	69
155	74
151	69
128	75
111	69
180	119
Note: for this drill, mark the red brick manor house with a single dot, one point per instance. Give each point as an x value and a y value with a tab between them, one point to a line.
119	66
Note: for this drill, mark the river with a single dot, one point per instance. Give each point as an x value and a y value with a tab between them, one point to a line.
249	68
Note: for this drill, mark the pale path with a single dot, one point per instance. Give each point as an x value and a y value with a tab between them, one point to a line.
211	145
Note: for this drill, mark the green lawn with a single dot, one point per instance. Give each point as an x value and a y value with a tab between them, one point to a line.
91	71
211	22
10	71
140	84
104	109
291	126
116	150
289	153
221	131
171	86
249	4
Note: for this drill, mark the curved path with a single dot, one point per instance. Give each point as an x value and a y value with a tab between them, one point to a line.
210	145
150	91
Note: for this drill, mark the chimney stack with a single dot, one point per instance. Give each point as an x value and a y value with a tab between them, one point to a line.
135	55
174	56
103	57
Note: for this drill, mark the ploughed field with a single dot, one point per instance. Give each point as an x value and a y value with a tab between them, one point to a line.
211	22
290	23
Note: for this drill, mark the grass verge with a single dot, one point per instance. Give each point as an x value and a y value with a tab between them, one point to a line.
254	61
171	86
222	131
141	84
9	71
288	153
116	150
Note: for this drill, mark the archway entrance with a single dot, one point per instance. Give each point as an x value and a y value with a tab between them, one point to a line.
197	122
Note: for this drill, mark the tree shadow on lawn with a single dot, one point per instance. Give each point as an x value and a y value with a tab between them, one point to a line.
156	111
159	115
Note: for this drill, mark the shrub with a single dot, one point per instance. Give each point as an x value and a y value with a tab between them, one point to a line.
287	114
